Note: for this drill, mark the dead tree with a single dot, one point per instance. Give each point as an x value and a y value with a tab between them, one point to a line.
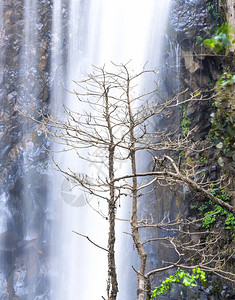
113	127
190	245
166	171
105	127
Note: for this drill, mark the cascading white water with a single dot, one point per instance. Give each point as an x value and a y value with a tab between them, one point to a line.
99	32
28	92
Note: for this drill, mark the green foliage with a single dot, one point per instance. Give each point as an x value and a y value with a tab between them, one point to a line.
230	221
211	83
181	153
211	212
202	207
220	40
226	80
220	193
185	122
211	8
222	120
211	218
180	277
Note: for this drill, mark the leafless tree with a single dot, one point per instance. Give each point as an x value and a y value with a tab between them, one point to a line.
113	126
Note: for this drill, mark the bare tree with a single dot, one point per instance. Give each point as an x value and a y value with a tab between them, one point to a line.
113	126
104	126
167	172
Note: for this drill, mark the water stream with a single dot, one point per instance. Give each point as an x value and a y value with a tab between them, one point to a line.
99	32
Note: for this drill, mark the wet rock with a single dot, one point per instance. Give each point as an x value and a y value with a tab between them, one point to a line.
190	112
191	63
9	241
213	168
189	18
43	284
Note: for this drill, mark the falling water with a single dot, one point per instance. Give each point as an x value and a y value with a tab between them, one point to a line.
28	100
83	33
99	32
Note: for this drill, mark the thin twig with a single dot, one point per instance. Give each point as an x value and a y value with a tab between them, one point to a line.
87	237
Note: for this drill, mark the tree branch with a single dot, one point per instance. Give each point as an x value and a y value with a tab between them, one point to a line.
87	237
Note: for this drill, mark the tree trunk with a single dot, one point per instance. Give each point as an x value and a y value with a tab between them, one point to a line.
112	276
134	220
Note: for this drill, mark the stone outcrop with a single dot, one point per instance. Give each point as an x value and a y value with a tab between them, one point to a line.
198	70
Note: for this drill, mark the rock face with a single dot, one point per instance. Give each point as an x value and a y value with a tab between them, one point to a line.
197	69
189	18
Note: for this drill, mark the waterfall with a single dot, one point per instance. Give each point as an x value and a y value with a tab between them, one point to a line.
28	92
23	191
98	32
45	45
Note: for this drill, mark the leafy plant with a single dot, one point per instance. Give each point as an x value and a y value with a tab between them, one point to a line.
210	217
226	80
185	122
202	159
211	83
181	153
211	8
211	212
220	40
202	207
181	277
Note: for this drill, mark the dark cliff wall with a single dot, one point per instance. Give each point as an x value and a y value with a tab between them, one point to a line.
200	69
